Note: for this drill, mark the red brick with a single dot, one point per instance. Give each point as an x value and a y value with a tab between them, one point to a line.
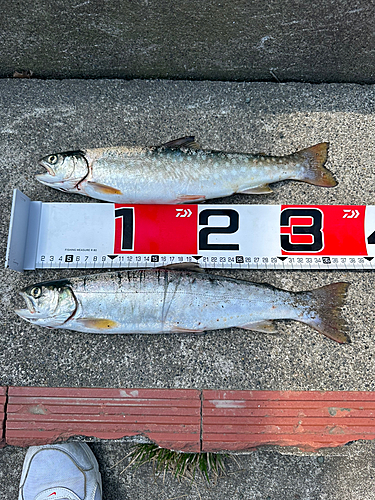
170	418
240	420
231	420
3	391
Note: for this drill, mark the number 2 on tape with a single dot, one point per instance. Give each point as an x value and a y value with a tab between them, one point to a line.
206	231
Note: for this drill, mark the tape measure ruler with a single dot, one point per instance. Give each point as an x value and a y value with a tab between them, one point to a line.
107	235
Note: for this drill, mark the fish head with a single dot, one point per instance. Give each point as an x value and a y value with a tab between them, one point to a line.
50	303
64	170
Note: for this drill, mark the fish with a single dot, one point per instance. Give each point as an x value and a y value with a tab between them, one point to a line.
161	300
178	172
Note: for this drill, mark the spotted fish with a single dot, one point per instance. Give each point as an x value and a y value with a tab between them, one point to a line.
178	172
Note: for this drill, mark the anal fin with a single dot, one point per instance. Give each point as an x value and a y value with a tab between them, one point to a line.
265	189
186	198
266	326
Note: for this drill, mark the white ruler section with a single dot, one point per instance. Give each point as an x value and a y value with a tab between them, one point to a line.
105	235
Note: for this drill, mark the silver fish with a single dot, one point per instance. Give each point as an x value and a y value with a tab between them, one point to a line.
165	301
178	172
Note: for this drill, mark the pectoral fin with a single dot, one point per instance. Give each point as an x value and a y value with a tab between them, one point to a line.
265	189
265	326
102	188
97	323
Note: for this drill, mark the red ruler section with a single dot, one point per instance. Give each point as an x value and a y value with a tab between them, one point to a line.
156	229
40	415
3	391
242	420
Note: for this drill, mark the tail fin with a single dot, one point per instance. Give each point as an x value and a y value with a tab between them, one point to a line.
313	160
326	303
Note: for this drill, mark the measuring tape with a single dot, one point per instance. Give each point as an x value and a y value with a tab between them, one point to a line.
106	235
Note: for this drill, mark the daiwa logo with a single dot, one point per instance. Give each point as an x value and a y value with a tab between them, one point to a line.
183	212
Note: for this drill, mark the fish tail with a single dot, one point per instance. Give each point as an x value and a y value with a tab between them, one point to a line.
325	306
313	169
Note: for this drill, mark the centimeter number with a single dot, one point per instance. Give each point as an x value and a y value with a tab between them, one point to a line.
240	262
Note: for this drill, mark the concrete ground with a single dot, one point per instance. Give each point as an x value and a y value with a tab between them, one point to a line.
262	475
41	117
291	40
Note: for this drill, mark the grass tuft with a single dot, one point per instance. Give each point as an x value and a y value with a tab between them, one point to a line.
181	465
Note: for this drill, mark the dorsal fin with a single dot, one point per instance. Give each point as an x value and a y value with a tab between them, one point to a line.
184	266
182	142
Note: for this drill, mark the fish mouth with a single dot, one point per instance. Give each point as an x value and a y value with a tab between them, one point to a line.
48	167
25	314
44	179
47	177
30	312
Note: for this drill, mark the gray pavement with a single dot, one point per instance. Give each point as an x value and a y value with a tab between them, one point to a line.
263	475
291	40
41	117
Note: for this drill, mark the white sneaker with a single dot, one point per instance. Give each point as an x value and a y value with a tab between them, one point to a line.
66	471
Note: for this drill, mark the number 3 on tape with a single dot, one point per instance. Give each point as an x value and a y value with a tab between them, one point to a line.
301	230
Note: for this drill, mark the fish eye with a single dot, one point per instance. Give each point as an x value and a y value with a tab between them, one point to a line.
52	159
36	292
